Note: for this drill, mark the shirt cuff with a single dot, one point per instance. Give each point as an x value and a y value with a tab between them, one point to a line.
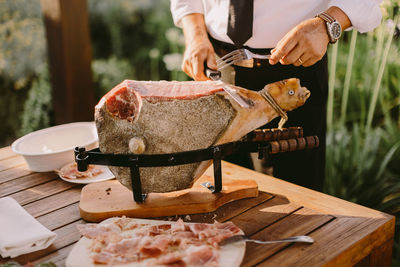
365	15
181	8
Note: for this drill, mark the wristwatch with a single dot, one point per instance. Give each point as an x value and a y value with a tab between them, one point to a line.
333	27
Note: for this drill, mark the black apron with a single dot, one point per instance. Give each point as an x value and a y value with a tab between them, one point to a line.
305	168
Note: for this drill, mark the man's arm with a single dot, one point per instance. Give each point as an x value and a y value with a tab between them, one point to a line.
198	47
307	43
188	14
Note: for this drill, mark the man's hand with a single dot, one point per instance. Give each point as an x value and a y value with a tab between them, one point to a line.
198	50
304	45
307	43
198	47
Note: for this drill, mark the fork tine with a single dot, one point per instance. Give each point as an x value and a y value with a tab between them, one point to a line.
222	66
232	59
226	64
233	53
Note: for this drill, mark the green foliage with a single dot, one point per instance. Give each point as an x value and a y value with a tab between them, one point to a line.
358	167
22	43
137	33
22	57
38	107
363	141
107	73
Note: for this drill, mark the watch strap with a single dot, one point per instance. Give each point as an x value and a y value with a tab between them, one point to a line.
328	18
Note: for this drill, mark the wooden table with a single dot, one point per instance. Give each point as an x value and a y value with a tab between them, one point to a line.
345	234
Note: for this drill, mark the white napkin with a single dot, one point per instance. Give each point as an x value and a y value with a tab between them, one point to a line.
20	233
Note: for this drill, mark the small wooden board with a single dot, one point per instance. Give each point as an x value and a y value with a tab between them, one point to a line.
103	200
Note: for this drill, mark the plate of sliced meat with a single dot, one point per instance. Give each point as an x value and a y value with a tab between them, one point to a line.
122	241
94	173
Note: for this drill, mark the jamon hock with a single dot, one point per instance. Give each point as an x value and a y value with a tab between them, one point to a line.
167	117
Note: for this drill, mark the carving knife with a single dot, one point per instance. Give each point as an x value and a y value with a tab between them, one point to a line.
215	75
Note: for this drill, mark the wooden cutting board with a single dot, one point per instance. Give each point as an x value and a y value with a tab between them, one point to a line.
103	200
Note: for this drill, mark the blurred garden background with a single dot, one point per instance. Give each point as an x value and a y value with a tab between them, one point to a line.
136	39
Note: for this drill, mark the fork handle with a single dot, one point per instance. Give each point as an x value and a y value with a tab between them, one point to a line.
304	239
212	74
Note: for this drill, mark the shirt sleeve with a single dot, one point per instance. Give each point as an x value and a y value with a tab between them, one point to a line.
181	8
365	15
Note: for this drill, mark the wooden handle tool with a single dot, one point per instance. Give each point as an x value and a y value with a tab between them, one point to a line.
294	144
261	135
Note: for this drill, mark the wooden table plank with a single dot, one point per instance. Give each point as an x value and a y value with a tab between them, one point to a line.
334	244
41	191
26	182
54	202
264	214
60	217
229	210
374	233
58	257
6	152
11	162
301	222
14	173
383	256
300	195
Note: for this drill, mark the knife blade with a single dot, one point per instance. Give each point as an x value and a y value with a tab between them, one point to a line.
215	75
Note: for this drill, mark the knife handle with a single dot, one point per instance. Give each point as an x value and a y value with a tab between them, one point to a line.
212	74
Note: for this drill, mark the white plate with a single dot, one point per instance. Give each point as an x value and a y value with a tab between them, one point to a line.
105	175
231	255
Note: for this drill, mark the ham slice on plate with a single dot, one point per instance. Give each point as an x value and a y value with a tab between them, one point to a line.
70	171
139	242
94	173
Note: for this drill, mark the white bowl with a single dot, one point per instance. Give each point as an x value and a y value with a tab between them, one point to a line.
51	148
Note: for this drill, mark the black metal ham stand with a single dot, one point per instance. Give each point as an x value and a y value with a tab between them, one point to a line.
263	141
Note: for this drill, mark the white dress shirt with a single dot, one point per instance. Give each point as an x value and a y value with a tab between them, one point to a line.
273	19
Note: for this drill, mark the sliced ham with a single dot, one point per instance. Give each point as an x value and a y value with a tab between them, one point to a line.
178	226
125	223
107	258
201	256
103	258
216	239
176	244
164	227
153	247
184	235
172	258
125	247
71	171
96	246
94	230
228	226
199	227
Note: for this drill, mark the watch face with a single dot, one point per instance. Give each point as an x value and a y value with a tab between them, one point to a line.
336	30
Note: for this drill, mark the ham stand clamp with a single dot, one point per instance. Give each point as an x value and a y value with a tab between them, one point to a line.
263	141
